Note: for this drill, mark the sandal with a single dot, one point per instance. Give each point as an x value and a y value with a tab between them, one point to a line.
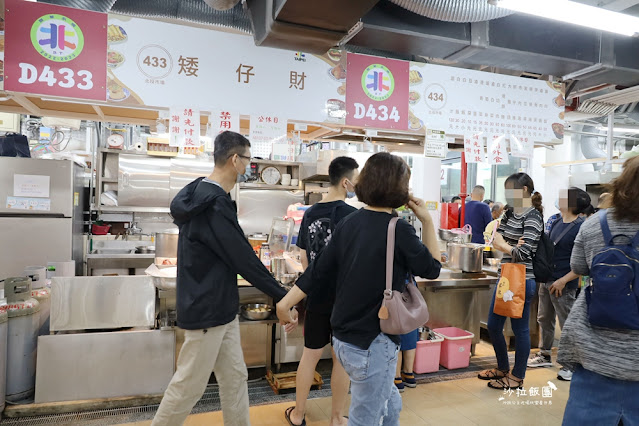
494	374
505	383
287	414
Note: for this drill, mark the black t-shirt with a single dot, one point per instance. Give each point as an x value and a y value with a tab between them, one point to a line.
316	229
355	259
563	249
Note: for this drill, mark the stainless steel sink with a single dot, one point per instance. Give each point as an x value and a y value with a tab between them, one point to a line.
113	251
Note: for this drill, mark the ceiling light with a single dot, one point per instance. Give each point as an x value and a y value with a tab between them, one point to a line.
620	129
575	13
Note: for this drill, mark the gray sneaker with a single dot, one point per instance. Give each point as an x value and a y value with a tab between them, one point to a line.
564	374
540	360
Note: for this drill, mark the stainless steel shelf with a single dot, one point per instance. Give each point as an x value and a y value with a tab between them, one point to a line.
270	320
266	186
108	180
276	163
125	209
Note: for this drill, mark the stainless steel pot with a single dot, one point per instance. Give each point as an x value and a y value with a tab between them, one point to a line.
468	257
166	243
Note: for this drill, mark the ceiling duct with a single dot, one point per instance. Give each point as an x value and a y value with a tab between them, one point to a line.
454	10
222	4
589	145
309	26
196	11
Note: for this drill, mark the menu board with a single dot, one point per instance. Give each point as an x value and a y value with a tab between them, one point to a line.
155	63
461	101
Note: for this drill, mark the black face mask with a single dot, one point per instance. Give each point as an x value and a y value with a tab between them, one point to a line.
242	177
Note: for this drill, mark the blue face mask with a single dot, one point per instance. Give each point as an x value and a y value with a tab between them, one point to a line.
350	194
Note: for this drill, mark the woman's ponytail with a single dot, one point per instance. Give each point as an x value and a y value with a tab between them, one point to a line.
536	202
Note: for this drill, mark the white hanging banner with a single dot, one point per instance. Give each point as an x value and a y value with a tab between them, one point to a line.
474	148
222	121
435	144
521	147
497	153
265	130
184	129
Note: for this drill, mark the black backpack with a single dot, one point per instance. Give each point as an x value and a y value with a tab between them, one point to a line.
543	259
543	265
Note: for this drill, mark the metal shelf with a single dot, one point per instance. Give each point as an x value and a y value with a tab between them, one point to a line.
276	163
266	186
269	321
125	209
108	180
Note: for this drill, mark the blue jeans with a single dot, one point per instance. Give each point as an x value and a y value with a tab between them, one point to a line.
601	401
520	329
375	399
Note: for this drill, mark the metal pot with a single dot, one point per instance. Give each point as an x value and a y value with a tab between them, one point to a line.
448	235
468	257
166	243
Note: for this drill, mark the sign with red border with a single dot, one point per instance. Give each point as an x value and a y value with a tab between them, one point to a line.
377	92
55	51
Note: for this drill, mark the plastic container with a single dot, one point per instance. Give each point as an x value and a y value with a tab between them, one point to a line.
100	229
455	351
427	355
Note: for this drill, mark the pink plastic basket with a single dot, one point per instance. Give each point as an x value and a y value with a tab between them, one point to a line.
427	355
455	347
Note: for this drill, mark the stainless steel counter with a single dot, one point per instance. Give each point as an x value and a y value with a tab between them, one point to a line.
127	263
453	299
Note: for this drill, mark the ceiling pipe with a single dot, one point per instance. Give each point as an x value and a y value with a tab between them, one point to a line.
454	10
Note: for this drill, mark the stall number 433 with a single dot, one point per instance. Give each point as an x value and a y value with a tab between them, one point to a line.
29	75
380	113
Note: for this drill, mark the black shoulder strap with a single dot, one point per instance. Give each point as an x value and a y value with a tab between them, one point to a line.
565	231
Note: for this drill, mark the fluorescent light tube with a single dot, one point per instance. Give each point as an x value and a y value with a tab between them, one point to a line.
575	13
620	129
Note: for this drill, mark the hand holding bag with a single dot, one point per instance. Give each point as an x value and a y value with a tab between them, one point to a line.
401	312
510	296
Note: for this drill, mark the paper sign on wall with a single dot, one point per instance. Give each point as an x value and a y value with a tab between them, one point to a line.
22	203
222	121
31	186
474	148
264	131
497	153
435	144
521	147
184	129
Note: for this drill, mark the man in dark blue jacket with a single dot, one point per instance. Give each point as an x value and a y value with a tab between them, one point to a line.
212	250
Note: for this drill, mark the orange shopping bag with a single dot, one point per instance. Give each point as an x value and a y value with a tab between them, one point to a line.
511	291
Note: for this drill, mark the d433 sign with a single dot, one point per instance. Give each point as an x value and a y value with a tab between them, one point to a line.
64	77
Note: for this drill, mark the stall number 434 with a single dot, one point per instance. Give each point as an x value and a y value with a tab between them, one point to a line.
379	114
29	75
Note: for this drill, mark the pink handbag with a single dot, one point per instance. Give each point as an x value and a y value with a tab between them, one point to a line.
401	312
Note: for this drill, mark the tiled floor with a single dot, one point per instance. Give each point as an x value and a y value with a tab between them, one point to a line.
459	403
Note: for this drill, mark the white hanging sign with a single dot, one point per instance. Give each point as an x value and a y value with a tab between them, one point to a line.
497	153
474	148
184	129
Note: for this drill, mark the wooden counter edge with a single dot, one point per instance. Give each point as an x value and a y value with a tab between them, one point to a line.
64	407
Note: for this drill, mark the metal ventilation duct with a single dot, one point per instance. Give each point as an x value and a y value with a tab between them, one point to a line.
590	145
454	10
186	10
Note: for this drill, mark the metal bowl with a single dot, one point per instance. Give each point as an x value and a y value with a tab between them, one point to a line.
493	261
448	235
256	311
145	249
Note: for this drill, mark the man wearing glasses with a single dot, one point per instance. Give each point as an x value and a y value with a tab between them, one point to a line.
212	250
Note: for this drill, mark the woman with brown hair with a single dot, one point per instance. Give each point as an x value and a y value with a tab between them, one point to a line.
605	382
517	237
355	259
